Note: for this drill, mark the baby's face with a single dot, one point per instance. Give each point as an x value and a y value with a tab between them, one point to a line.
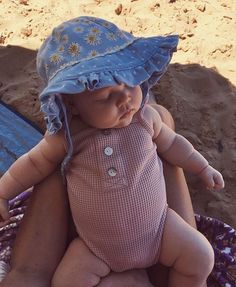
110	107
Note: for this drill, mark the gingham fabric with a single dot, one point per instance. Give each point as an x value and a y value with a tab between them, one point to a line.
117	193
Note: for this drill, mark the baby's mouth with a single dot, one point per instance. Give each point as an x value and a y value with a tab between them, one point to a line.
127	113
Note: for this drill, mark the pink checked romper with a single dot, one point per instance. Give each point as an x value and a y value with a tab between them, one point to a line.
117	193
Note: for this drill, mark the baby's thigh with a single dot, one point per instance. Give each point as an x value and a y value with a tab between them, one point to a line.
129	278
79	267
183	247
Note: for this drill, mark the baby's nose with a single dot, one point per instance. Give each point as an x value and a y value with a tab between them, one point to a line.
123	98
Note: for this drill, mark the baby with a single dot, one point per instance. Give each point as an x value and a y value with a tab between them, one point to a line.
109	143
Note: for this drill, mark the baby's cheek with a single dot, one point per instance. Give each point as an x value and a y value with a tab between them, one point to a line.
101	120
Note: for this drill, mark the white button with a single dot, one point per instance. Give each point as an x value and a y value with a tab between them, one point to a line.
108	150
112	171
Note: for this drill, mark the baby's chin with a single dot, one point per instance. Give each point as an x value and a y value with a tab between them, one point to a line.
123	123
120	123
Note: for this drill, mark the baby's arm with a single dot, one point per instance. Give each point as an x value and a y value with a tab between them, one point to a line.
179	151
31	168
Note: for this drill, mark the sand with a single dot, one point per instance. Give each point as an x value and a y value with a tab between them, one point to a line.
198	89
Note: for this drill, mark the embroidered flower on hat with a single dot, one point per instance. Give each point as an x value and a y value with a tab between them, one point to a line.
74	49
93	53
112	49
61	49
93	39
55	58
111	36
65	39
95	30
105	24
87	22
79	29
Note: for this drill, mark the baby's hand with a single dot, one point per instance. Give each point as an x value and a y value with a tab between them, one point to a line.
212	178
4	210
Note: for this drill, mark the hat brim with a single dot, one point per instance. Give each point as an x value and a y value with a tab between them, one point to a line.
145	60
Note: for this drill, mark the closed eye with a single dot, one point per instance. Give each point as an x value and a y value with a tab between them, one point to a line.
104	98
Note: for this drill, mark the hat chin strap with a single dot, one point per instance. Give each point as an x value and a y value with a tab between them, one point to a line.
145	92
67	136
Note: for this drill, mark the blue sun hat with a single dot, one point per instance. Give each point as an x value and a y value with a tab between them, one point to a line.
92	53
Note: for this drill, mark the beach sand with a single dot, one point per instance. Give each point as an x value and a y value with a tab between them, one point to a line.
199	87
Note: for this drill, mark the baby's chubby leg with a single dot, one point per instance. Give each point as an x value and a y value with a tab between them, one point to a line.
80	263
81	267
186	251
129	278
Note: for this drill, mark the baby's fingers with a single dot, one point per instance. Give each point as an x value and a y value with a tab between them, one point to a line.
210	183
4	209
219	181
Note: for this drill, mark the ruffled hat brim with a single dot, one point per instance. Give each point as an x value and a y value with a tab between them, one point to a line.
143	62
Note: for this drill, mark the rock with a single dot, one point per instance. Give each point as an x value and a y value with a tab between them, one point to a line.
190	34
201	7
2	39
24	2
26	32
119	8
